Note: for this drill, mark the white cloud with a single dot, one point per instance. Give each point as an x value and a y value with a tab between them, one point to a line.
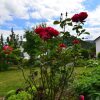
94	32
10	9
17	8
46	9
93	23
24	9
94	17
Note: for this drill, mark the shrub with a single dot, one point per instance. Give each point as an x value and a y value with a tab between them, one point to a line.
88	84
92	63
80	62
85	53
20	96
55	60
99	55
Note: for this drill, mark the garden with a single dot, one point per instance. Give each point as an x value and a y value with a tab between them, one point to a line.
61	66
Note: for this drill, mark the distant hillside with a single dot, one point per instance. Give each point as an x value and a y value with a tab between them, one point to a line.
90	41
88	44
85	44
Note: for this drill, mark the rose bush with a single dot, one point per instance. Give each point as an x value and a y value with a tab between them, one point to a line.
52	57
9	51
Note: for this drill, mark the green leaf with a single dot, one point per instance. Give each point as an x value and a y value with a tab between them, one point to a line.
70	24
87	33
83	31
56	22
67	33
77	31
62	32
61	25
79	26
74	28
68	19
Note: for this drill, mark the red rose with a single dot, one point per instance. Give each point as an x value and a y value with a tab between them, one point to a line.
76	41
79	17
46	32
82	16
75	18
44	35
7	49
81	97
52	31
62	45
38	30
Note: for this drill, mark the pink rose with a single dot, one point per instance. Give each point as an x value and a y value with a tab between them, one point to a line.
7	49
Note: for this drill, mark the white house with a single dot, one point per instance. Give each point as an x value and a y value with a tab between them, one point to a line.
97	41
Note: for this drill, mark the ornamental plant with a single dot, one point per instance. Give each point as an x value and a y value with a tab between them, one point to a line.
9	51
52	58
5	53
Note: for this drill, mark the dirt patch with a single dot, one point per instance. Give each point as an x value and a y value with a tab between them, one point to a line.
1	98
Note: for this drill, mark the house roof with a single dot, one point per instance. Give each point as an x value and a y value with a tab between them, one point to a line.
97	38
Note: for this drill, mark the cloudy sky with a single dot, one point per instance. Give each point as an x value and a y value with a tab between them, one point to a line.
21	14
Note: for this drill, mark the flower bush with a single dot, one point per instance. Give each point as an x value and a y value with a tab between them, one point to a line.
92	63
9	52
7	49
52	61
5	54
88	84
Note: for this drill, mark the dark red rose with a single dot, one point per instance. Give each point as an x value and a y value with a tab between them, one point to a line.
82	16
62	45
75	18
46	32
39	29
7	49
81	97
44	35
52	31
76	41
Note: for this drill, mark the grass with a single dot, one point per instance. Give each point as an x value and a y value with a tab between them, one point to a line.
13	79
10	80
79	70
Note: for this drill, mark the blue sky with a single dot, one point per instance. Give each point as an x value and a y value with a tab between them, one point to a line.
21	14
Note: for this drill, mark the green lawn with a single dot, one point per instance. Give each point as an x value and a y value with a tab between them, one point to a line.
11	80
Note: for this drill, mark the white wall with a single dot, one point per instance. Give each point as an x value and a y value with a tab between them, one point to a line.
97	46
26	56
